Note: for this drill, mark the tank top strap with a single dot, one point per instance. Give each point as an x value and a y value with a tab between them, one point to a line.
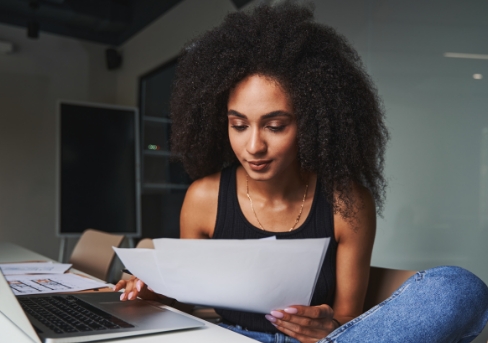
226	205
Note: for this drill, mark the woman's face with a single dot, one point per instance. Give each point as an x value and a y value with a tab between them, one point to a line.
262	127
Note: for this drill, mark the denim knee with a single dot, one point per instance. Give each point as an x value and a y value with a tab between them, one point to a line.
459	281
442	304
464	291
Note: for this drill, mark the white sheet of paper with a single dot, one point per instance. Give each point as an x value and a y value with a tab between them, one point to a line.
248	275
34	268
50	283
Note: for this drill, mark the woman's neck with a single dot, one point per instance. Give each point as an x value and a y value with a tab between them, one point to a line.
284	186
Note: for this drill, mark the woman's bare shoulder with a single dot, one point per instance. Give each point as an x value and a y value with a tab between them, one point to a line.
363	213
199	211
204	189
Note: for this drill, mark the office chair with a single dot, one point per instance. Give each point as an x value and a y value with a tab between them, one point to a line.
93	253
146	243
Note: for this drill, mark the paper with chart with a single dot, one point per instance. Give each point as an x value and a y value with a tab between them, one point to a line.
34	268
249	275
50	283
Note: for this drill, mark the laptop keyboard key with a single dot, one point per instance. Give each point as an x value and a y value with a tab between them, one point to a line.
70	314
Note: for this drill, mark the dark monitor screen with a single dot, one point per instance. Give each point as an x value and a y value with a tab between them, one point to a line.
98	174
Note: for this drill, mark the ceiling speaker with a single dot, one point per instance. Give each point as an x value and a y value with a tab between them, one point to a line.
113	58
33	29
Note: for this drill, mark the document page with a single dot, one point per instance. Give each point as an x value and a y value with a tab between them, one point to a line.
34	268
248	275
50	283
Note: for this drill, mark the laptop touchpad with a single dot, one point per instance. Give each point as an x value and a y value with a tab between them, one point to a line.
130	309
145	314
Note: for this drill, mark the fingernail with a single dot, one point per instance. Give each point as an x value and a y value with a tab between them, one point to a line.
277	314
139	285
270	318
131	294
291	310
122	296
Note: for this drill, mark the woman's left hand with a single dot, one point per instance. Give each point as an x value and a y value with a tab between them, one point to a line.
308	324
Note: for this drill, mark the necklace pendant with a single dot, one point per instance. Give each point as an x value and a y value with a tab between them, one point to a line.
256	216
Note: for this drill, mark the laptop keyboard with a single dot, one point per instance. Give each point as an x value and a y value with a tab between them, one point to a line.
69	314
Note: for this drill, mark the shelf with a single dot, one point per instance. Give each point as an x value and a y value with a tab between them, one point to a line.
157	153
157	119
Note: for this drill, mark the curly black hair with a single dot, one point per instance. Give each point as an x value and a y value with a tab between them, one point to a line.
341	132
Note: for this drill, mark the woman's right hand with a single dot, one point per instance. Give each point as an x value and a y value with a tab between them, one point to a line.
134	288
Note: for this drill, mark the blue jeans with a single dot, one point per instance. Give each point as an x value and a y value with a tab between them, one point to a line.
439	305
261	336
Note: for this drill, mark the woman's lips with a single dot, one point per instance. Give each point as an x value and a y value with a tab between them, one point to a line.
258	165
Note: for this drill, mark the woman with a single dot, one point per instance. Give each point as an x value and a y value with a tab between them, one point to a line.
276	120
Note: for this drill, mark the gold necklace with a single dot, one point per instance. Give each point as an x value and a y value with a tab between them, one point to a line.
255	215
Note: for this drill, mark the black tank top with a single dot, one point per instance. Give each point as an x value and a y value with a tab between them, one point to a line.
231	224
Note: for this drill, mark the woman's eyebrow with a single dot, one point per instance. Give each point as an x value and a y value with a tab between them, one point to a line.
277	114
235	113
266	116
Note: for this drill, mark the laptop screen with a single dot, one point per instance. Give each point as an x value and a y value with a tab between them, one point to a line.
11	308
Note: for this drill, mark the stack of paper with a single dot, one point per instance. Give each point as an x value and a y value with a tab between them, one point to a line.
249	275
45	277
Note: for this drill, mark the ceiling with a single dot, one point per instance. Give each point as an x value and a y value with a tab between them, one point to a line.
109	22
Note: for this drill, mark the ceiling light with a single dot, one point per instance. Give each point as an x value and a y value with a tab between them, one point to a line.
477	76
463	55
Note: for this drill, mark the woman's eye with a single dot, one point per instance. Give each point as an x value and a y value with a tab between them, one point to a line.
276	128
238	127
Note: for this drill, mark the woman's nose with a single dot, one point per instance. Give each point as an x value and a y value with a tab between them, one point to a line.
256	143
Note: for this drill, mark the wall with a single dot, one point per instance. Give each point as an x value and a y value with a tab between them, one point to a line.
437	159
54	67
163	39
32	79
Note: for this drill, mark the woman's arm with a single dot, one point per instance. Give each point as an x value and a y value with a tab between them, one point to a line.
199	211
355	238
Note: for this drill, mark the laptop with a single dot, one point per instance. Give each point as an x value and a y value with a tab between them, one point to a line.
87	317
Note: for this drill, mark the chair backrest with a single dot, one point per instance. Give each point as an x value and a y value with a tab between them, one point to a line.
382	283
146	243
93	253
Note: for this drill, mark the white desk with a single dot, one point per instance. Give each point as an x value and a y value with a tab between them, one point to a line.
211	333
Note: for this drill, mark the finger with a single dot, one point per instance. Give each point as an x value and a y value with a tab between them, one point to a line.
130	291
313	316
302	336
320	311
139	285
307	326
280	318
119	285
